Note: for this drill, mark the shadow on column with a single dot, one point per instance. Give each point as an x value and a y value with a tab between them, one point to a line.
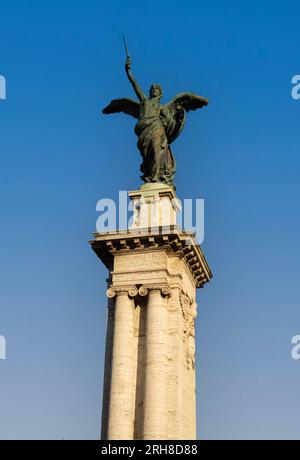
107	368
140	372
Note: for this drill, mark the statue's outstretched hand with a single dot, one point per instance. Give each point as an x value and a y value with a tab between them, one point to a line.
128	63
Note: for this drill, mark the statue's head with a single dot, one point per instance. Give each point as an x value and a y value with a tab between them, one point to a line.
156	91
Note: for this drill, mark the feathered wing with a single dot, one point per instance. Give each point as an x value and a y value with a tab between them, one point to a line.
174	112
125	105
187	101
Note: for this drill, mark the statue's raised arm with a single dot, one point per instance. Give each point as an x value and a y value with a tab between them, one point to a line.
135	85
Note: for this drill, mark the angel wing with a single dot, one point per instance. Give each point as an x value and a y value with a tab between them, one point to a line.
187	101
174	113
125	105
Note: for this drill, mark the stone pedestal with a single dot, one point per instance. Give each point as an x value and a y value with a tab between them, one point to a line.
154	270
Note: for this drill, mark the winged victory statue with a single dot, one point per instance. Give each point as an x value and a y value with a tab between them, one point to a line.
157	127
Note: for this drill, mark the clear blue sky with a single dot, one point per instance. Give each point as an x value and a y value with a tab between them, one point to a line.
63	61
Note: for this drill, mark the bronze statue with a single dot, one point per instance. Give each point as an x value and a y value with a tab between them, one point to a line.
158	126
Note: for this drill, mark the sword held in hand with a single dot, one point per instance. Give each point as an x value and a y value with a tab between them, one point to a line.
128	60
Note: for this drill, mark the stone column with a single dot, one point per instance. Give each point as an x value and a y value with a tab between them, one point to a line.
156	376
107	366
121	404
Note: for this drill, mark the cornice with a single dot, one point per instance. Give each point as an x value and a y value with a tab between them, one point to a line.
171	239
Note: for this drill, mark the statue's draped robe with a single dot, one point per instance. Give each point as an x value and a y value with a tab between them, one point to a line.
158	161
155	133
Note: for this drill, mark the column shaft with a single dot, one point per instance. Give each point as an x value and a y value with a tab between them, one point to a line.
156	378
107	367
121	405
